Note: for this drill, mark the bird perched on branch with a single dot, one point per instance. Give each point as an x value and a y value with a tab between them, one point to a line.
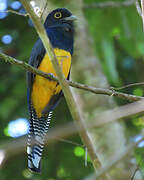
44	94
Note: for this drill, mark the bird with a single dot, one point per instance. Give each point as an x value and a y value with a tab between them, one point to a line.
43	95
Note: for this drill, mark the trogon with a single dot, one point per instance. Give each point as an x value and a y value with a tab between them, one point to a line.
43	94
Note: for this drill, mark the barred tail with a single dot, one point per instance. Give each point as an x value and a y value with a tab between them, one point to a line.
36	137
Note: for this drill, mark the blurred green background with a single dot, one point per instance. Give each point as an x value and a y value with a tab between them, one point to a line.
119	44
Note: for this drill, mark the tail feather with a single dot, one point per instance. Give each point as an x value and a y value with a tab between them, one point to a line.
44	126
37	132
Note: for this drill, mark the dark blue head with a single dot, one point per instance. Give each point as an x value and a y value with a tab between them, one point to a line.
60	29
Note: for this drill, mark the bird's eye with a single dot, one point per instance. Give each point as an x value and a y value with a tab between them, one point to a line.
58	15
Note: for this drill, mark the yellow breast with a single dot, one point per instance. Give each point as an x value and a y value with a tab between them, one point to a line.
43	89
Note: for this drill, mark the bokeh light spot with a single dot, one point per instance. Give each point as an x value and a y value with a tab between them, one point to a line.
30	23
128	63
6	131
79	151
6	39
61	172
3	15
141	144
15	5
138	91
18	127
3	5
32	3
137	138
115	31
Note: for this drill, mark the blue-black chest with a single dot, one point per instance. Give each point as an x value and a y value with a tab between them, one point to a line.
60	39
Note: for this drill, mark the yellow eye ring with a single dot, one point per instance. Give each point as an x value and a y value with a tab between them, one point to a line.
58	15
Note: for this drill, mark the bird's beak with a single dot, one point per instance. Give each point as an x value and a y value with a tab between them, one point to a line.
70	18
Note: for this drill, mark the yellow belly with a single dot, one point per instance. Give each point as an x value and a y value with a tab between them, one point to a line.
43	89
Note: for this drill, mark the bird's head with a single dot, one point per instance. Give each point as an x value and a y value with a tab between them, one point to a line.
60	18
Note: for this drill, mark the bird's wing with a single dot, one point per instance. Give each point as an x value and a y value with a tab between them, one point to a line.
34	151
36	57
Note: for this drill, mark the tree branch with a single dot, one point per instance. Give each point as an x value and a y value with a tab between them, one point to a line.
92	89
111	4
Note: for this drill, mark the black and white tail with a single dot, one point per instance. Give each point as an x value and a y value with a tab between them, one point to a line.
37	132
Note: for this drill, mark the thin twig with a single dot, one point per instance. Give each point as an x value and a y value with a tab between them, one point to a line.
43	10
136	169
70	142
110	4
92	89
133	175
128	85
14	12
